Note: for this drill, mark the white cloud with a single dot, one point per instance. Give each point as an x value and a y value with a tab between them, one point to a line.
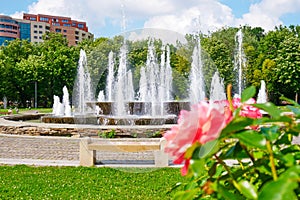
207	16
167	36
267	13
176	15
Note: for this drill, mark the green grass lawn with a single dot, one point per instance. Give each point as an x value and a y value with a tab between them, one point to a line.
24	182
22	110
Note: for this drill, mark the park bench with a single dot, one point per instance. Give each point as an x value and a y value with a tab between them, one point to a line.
88	149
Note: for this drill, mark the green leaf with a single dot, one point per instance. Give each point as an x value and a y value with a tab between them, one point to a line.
237	124
212	170
185	195
289	100
280	119
177	185
205	150
248	93
235	152
190	151
289	160
224	192
294	109
270	108
197	167
247	189
271	133
283	188
191	185
252	138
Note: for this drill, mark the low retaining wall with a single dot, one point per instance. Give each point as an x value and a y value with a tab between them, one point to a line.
17	125
80	132
40	131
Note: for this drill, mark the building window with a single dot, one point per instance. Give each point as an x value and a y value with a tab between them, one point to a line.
40	37
47	27
80	25
76	38
65	20
40	32
73	24
35	31
76	32
40	26
55	24
35	26
33	18
65	31
45	19
35	37
68	25
58	30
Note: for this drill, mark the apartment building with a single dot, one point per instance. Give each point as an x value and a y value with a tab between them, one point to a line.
74	31
33	27
9	29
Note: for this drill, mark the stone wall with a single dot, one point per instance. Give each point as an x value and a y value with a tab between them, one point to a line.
80	132
40	131
17	125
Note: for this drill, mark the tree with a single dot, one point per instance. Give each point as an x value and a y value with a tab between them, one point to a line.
288	66
12	84
59	66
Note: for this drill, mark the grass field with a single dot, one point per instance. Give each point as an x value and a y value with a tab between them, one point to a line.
23	110
24	182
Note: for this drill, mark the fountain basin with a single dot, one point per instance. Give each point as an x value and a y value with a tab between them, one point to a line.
111	120
137	120
141	108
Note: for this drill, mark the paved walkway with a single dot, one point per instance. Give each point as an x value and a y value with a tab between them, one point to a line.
60	151
48	150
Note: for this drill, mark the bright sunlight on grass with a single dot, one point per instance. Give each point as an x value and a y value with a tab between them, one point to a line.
24	182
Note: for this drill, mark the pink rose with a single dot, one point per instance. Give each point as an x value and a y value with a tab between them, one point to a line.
202	124
247	109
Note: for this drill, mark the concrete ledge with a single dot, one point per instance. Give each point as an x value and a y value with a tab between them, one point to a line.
88	149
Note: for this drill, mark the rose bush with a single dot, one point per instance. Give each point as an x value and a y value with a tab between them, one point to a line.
231	151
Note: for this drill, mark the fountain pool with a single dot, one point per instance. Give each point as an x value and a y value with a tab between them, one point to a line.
150	100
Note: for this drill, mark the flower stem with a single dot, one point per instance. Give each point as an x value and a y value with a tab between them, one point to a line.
272	162
248	153
224	165
228	171
229	87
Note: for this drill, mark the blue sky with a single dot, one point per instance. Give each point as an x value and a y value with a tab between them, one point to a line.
104	17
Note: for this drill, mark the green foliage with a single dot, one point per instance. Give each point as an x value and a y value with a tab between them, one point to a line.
51	64
107	134
22	182
252	158
272	56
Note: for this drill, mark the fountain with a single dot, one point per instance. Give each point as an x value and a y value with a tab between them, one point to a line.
66	102
197	87
262	93
57	109
150	101
83	92
64	108
217	89
4	102
110	77
239	64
